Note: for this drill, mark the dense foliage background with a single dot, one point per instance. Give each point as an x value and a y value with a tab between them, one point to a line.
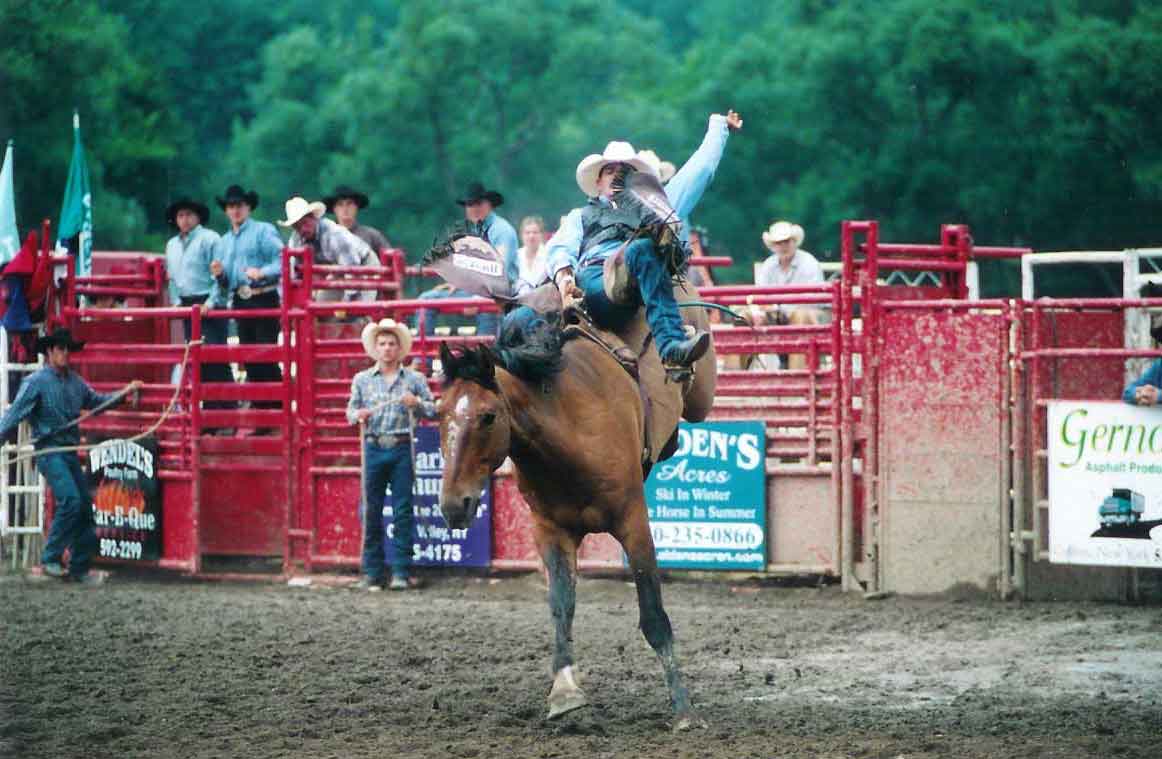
1036	123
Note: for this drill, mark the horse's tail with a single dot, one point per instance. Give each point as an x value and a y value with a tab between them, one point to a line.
530	344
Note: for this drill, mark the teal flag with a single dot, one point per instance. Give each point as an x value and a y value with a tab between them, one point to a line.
77	210
9	234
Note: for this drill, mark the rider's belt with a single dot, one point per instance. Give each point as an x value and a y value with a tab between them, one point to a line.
246	292
388	441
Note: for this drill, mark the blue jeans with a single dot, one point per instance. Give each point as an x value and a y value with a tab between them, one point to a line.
654	288
73	526
487	322
387	465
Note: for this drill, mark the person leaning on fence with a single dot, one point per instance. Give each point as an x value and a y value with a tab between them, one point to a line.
787	265
51	399
247	269
346	203
188	256
480	220
331	244
386	398
1147	389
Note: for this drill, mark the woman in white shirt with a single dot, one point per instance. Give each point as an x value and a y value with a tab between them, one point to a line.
531	255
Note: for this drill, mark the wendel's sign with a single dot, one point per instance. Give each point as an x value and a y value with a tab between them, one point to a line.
433	542
126	499
1105	484
707	504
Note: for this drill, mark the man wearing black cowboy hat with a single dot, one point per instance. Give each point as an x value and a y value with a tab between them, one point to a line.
481	220
247	271
346	203
52	399
188	256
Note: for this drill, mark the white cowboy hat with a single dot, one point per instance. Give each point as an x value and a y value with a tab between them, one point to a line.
373	330
615	152
297	208
663	170
783	230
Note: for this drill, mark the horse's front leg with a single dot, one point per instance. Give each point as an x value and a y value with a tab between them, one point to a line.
654	623
559	552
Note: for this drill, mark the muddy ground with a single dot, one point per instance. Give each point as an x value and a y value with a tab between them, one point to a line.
158	668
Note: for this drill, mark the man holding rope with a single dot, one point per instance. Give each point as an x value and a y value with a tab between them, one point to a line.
384	402
51	399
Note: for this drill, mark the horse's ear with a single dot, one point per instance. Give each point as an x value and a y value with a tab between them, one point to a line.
487	367
447	360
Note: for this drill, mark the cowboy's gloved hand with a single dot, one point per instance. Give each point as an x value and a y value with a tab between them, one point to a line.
409	400
570	293
733	120
1146	395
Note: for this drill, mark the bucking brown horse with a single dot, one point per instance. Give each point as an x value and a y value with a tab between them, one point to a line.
571	420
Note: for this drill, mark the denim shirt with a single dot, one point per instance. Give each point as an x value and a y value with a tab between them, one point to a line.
49	399
370	389
187	263
684	191
1152	376
257	244
502	236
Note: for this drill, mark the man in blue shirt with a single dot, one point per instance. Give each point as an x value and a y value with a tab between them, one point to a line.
481	220
51	398
188	256
386	398
590	234
247	272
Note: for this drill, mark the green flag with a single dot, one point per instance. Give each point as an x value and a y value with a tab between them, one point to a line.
9	234
77	210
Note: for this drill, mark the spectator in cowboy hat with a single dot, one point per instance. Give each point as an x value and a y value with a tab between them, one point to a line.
247	271
52	399
787	265
386	399
346	203
330	242
481	220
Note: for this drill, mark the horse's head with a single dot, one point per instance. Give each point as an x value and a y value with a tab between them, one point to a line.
474	431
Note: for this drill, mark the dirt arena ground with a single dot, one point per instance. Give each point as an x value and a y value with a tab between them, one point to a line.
158	668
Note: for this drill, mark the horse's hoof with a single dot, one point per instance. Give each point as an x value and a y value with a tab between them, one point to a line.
566	695
563	703
689	721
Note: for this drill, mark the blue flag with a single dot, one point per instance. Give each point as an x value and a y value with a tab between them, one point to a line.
76	218
9	234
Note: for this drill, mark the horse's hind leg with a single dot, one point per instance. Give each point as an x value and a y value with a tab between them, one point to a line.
559	552
655	624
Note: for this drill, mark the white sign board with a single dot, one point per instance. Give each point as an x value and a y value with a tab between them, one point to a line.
1105	484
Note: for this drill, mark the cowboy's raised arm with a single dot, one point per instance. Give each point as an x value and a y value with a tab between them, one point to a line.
687	186
565	246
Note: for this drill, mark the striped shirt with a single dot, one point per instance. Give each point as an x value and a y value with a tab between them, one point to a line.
50	399
371	389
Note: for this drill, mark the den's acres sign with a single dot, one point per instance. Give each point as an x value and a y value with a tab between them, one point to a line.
126	499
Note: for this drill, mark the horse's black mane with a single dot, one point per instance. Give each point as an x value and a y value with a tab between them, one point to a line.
529	348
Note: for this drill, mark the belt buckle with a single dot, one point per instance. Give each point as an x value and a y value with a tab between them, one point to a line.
244	292
383	441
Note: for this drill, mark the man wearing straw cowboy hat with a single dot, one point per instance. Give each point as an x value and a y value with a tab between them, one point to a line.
594	232
330	243
52	399
787	265
384	401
